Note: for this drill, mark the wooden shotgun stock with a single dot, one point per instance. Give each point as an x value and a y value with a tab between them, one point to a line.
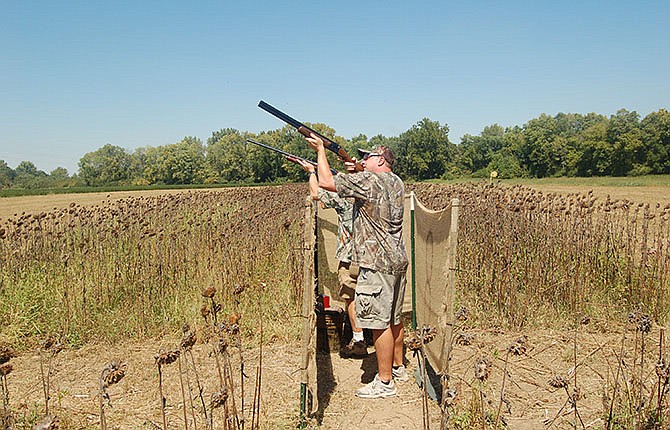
305	131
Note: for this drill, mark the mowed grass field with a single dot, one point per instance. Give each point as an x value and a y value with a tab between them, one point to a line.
645	189
10	206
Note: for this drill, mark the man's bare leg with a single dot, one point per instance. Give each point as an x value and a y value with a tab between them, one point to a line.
351	311
384	348
398	344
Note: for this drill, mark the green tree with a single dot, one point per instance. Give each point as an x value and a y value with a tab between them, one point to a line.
178	163
595	153
656	136
424	150
59	173
6	175
227	157
27	168
476	152
28	176
138	161
107	165
625	137
540	152
265	165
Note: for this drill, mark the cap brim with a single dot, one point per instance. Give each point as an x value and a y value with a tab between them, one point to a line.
363	152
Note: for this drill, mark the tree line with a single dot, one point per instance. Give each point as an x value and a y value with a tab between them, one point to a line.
567	144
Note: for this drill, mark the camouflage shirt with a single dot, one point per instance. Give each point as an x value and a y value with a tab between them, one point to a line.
345	227
377	219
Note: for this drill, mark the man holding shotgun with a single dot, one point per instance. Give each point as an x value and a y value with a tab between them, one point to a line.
379	251
347	272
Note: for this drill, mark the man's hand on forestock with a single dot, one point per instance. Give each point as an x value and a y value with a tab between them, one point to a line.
307	166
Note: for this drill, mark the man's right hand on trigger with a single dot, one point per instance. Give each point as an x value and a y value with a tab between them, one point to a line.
315	142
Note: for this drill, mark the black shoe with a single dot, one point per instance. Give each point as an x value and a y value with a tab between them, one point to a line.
354	350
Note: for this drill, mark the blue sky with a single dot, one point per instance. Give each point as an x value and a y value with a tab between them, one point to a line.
76	75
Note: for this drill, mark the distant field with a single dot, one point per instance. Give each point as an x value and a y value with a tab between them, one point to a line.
643	189
10	206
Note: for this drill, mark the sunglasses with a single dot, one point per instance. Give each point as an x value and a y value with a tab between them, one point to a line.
370	154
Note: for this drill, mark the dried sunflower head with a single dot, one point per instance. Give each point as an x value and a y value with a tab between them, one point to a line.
464	338
462	314
188	338
482	369
558	382
518	347
6	352
634	317
52	344
644	323
451	395
219	398
427	333
166	357
48	343
423	335
113	373
209	292
413	343
230	328
235	318
6	369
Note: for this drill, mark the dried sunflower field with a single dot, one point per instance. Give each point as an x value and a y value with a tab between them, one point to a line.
563	300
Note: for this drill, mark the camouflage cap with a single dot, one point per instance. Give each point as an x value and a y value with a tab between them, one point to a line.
385	152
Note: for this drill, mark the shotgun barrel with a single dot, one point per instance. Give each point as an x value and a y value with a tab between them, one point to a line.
305	131
288	155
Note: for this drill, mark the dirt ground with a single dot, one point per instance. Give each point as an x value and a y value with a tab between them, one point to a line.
521	374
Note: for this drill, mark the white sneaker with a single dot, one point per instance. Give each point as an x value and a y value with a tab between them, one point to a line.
377	389
400	374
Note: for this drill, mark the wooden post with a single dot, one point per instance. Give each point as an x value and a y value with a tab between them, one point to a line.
449	302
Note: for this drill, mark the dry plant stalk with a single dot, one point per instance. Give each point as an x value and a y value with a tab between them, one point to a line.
51	347
417	342
222	331
517	347
49	422
482	373
111	374
186	343
256	407
164	358
219	399
6	353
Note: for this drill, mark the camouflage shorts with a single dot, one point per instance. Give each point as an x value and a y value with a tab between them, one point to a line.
379	298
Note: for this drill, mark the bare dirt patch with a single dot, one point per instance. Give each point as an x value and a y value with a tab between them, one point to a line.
518	384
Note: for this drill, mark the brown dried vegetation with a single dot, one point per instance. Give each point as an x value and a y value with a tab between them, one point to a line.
106	271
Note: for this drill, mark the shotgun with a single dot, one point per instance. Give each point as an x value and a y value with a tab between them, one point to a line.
288	155
305	131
